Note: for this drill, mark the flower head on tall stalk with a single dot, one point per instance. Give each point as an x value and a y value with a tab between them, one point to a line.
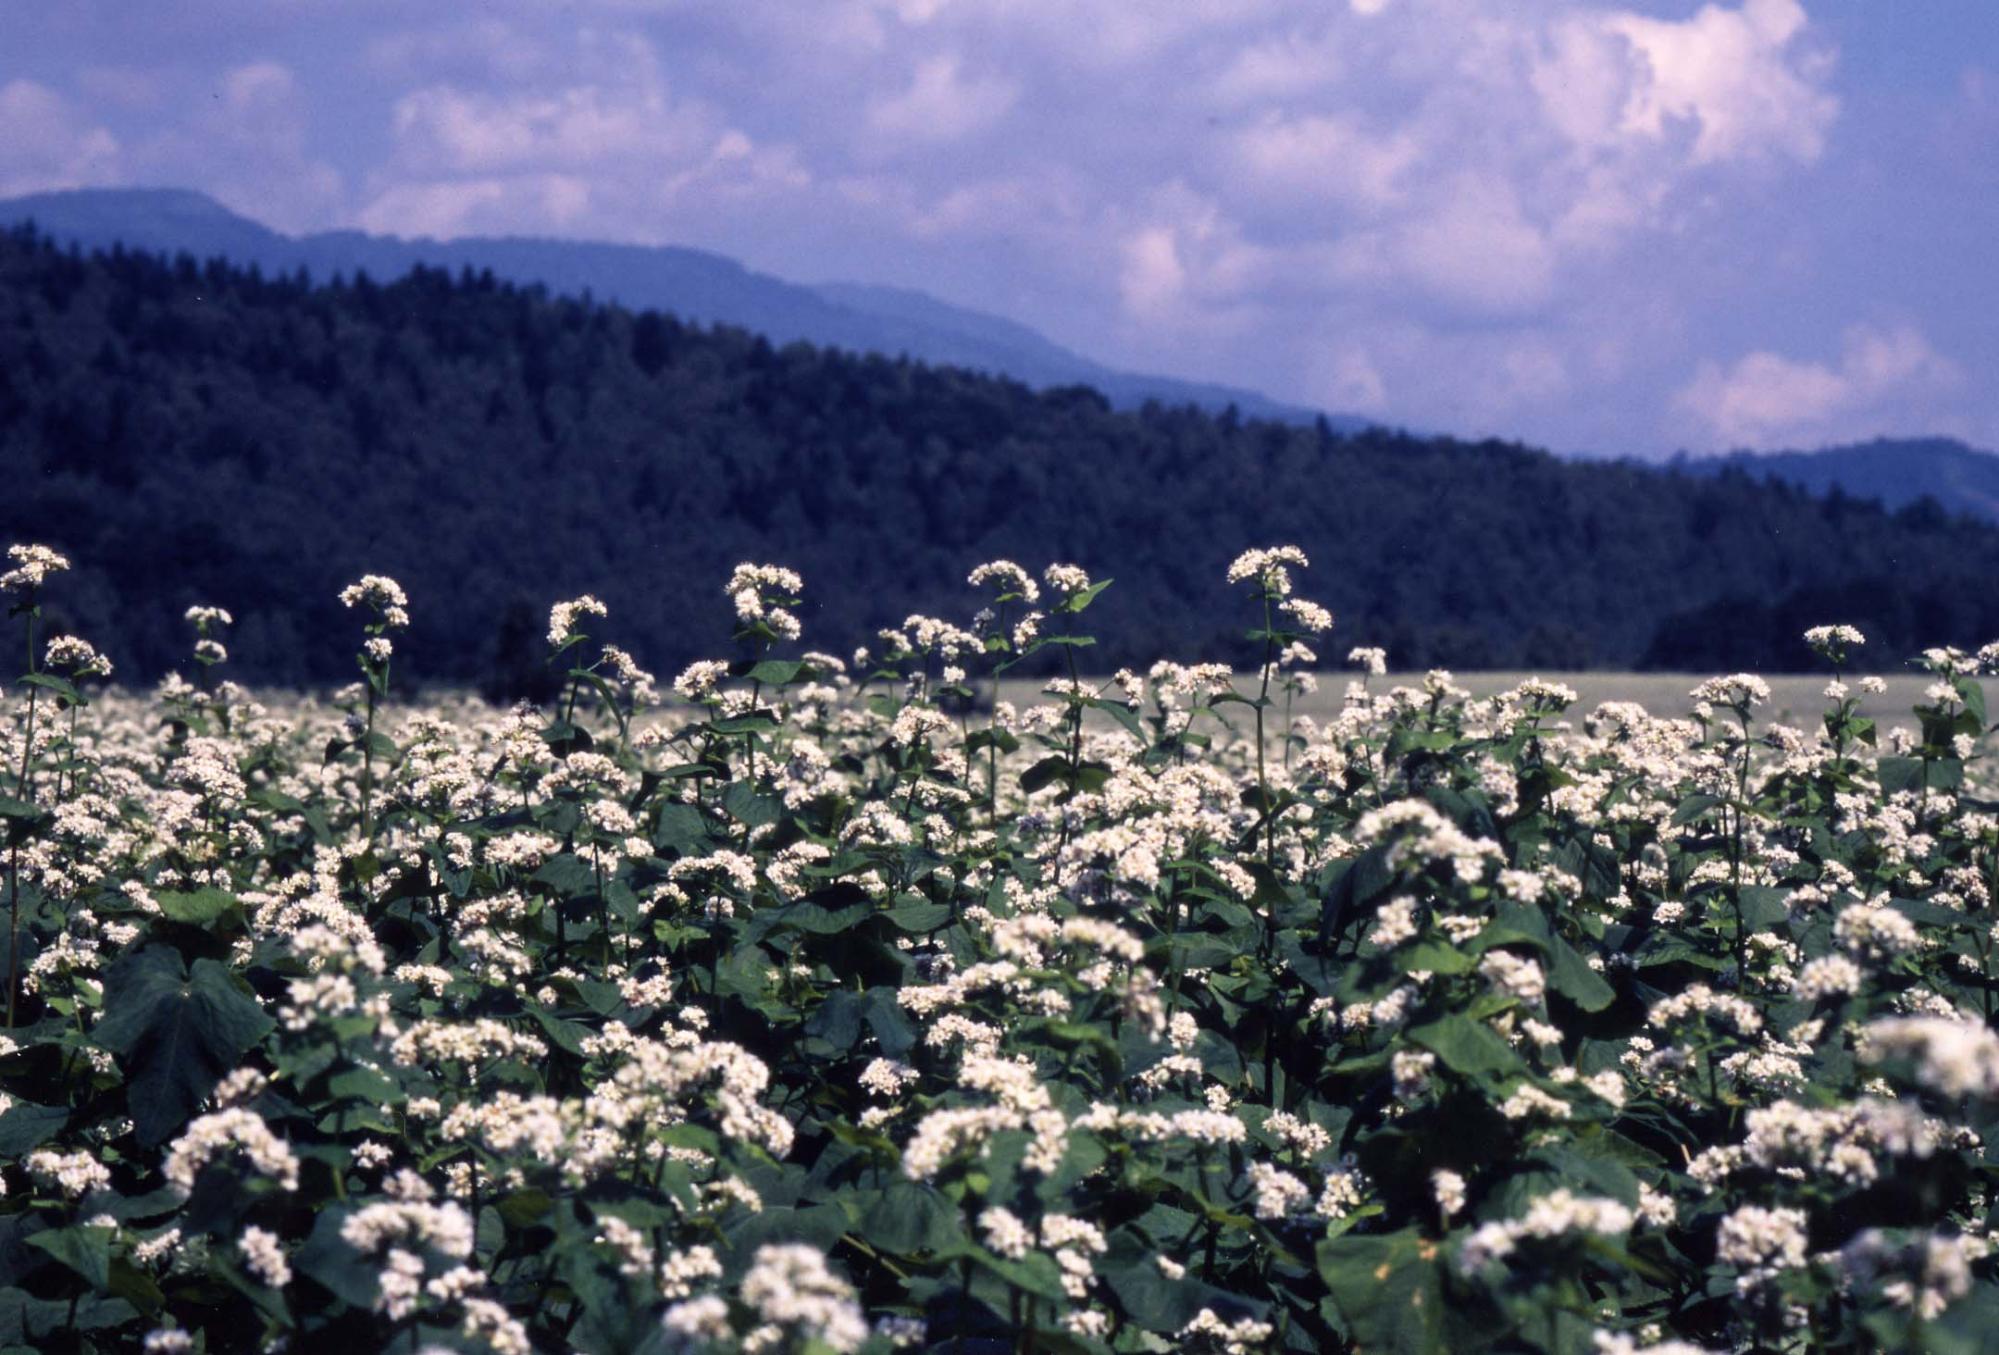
1004	626
23	583
1835	644
71	661
1287	620
766	598
383	598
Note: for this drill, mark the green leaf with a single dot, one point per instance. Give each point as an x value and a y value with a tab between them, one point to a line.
200	908
568	874
50	682
178	1032
778	672
1043	774
1076	602
1693	807
760	722
682	829
87	1251
1909	773
25	1127
750	809
1570	975
336	1267
919	915
1434	957
1390	1290
911	1217
1468	1047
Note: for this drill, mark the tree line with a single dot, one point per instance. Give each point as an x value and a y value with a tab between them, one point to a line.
193	432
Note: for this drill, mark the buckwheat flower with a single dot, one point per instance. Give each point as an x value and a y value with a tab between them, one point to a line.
204	617
1267	566
1656	1208
1396	923
235	1130
1739	691
1342	1192
1369	659
1761	1243
210	652
1873	686
1066	578
1278	1193
32	564
1302	1136
1529	1101
1623	1343
74	1174
167	1341
790	1286
902	1332
1005	1233
1007	577
1449	1189
264	1257
1514	975
562	618
1308	616
77	655
381	594
1926	1275
1828	976
1209	1332
1411	1070
886	1077
698	1321
1876	932
378	648
446	1227
1832	643
697	682
1953	1056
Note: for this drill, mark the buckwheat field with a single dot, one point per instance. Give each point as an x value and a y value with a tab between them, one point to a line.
818	1003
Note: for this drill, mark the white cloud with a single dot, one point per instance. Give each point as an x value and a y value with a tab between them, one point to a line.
1765	398
1475	247
596	144
941	104
248	142
1740	78
47	143
1326	157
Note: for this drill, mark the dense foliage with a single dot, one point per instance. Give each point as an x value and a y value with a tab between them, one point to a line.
813	1012
197	433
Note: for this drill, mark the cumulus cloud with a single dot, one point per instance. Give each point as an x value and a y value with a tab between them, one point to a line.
1735	75
46	142
602	144
1883	377
247	141
941	103
1452	212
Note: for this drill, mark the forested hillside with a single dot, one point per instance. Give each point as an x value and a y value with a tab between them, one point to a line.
191	433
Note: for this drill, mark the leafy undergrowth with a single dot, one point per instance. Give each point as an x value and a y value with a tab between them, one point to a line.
824	1008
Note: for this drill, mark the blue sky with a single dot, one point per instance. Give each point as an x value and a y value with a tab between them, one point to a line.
1628	227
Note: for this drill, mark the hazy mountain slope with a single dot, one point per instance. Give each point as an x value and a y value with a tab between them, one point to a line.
190	432
693	284
1895	471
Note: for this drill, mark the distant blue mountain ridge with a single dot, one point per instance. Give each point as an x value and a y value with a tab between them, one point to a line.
693	284
1897	471
710	288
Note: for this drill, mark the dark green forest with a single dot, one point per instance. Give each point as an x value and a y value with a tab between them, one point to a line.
191	432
